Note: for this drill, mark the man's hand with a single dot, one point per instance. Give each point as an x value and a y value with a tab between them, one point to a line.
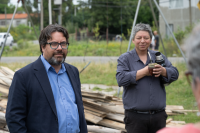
159	70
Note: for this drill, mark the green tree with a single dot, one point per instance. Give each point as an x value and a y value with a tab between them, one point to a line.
118	15
3	4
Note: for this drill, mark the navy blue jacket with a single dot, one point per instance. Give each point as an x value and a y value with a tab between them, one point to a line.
31	106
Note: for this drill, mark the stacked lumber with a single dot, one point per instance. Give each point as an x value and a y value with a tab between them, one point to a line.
6	76
105	112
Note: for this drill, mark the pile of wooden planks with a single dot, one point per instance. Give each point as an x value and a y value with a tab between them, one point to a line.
6	76
105	113
108	111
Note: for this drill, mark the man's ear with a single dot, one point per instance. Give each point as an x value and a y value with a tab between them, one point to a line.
42	47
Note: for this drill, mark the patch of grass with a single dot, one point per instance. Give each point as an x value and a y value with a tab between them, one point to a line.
97	89
109	89
13	66
98	73
76	48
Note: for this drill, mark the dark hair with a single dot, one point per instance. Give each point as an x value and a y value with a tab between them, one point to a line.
45	34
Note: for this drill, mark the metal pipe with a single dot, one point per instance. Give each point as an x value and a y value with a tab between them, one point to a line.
190	11
41	15
156	22
9	29
170	29
5	17
136	14
85	67
50	13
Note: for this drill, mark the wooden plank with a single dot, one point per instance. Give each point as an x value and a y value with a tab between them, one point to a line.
171	114
6	80
100	129
4	85
2	120
92	118
116	117
115	109
2	131
168	120
112	124
179	112
174	107
2	73
192	111
94	110
4	90
91	102
3	103
95	95
103	101
175	124
178	122
8	70
95	113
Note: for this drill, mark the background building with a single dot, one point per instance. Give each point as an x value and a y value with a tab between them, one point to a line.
20	18
177	14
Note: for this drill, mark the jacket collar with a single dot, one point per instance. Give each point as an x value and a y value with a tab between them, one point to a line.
41	75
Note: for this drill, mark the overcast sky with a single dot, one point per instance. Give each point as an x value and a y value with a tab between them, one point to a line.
14	2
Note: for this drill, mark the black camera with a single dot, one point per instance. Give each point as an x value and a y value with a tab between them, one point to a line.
159	59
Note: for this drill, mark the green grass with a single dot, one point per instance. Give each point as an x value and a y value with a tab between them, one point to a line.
76	48
88	48
178	93
97	89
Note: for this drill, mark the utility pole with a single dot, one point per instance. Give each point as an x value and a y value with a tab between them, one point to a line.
5	17
50	13
74	10
60	16
107	24
190	10
41	15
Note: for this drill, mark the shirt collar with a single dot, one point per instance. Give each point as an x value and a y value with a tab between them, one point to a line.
48	66
137	58
135	55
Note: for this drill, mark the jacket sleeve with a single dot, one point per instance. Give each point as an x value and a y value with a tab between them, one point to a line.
16	110
172	72
124	75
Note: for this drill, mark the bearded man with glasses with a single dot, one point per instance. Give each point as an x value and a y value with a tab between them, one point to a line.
45	96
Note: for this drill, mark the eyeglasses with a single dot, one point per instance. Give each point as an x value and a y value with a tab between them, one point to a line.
54	45
189	75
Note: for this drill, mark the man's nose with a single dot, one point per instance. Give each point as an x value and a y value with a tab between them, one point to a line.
59	47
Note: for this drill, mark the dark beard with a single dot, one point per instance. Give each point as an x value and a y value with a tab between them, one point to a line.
53	61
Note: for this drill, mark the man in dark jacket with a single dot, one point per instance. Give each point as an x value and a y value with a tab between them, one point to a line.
45	96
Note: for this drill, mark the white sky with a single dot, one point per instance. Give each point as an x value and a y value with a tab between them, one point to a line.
14	2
